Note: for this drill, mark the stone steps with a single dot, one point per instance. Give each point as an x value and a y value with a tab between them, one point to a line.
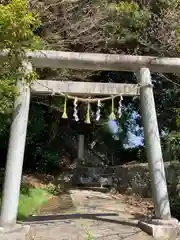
95	189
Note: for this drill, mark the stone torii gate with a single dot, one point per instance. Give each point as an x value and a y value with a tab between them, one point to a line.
141	65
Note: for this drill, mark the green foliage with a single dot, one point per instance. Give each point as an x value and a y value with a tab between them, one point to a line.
132	13
48	161
168	3
175	207
17	24
37	125
31	200
127	20
173	139
89	236
37	140
173	142
178	118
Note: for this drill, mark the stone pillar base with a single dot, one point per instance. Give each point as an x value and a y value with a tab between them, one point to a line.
161	229
18	232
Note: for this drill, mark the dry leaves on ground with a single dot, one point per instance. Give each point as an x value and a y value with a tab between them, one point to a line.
136	205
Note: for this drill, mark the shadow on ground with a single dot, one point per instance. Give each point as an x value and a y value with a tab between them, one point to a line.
75	216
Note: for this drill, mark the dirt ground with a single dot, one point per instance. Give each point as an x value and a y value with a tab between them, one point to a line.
135	205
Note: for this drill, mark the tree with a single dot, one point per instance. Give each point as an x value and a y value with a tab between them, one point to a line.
17	24
128	27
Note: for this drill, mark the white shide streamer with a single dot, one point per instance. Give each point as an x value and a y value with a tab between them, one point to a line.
98	112
120	107
75	114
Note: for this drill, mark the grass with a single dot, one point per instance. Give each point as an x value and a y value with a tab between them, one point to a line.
89	236
31	200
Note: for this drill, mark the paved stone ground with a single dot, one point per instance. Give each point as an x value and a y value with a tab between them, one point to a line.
97	216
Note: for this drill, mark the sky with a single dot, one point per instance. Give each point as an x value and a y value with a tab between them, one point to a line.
132	141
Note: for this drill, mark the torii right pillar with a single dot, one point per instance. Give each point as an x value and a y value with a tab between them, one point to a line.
163	225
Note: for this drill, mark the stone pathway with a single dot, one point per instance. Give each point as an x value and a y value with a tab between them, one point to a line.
97	216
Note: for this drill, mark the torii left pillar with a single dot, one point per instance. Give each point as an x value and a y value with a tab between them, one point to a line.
15	156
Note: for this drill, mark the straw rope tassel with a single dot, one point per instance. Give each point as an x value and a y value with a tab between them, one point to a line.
64	116
112	116
88	120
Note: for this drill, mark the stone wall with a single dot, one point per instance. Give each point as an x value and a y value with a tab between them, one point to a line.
134	178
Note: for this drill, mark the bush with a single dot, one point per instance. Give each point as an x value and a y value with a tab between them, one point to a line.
31	200
175	207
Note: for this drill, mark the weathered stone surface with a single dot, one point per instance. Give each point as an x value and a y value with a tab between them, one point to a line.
97	216
132	178
161	231
136	179
19	232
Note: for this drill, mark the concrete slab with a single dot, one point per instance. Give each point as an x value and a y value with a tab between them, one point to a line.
161	231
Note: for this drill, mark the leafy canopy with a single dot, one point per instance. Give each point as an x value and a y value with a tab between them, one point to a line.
17	25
